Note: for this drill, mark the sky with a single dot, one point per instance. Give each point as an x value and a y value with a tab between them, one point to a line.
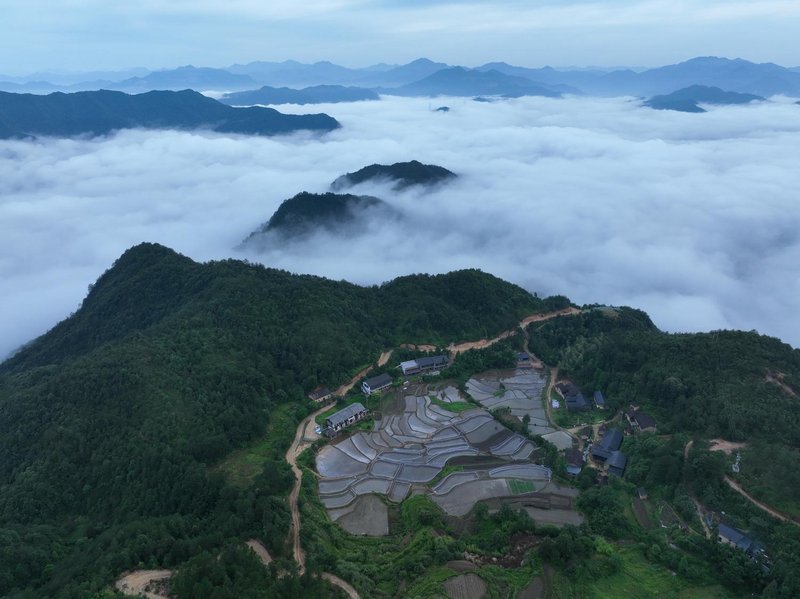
88	35
691	217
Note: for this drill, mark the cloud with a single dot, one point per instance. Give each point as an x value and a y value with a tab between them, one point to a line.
690	217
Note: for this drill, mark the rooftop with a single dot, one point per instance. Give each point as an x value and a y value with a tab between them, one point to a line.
644	420
379	381
344	414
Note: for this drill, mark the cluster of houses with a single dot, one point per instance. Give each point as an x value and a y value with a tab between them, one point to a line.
576	402
606	452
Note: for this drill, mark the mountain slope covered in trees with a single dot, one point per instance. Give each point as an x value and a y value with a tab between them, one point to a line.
112	423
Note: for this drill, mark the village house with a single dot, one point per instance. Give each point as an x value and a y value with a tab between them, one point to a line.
599	400
523	360
426	364
376	383
345	417
606	451
641	422
576	402
574	461
735	538
320	394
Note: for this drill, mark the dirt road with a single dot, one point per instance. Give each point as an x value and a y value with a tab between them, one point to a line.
139	582
763	506
457	348
548	315
351	592
295	449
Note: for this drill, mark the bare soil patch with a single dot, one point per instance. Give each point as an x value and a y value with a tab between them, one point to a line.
727	447
465	586
147	583
773	376
419	347
260	550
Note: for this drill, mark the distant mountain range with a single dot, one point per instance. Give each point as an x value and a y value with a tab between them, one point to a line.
689	99
100	112
458	81
318	94
426	77
402	174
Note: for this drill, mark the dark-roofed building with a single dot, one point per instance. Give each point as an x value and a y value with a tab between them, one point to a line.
643	422
577	403
599	400
574	461
523	359
616	463
426	364
376	383
345	417
608	446
737	539
320	394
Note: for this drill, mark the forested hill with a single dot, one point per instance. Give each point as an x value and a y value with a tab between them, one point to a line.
730	384
308	213
103	111
401	174
110	423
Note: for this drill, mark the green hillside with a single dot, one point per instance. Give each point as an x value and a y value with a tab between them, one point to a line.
112	423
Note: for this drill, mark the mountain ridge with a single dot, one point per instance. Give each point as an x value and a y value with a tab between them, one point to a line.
101	112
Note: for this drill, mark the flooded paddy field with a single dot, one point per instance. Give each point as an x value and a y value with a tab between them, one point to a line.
408	450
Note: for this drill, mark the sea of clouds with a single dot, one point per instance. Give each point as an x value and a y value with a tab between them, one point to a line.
692	217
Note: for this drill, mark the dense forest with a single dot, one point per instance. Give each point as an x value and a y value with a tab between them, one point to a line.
723	383
113	423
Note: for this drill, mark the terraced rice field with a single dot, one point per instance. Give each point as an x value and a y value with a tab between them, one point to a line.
520	391
407	451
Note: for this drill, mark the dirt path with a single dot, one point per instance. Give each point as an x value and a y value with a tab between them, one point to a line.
295	449
457	348
548	315
137	583
300	443
351	592
763	506
697	505
260	550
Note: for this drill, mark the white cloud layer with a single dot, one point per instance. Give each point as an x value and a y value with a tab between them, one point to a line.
693	218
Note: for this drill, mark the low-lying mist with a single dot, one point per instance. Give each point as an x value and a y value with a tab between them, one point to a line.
691	217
